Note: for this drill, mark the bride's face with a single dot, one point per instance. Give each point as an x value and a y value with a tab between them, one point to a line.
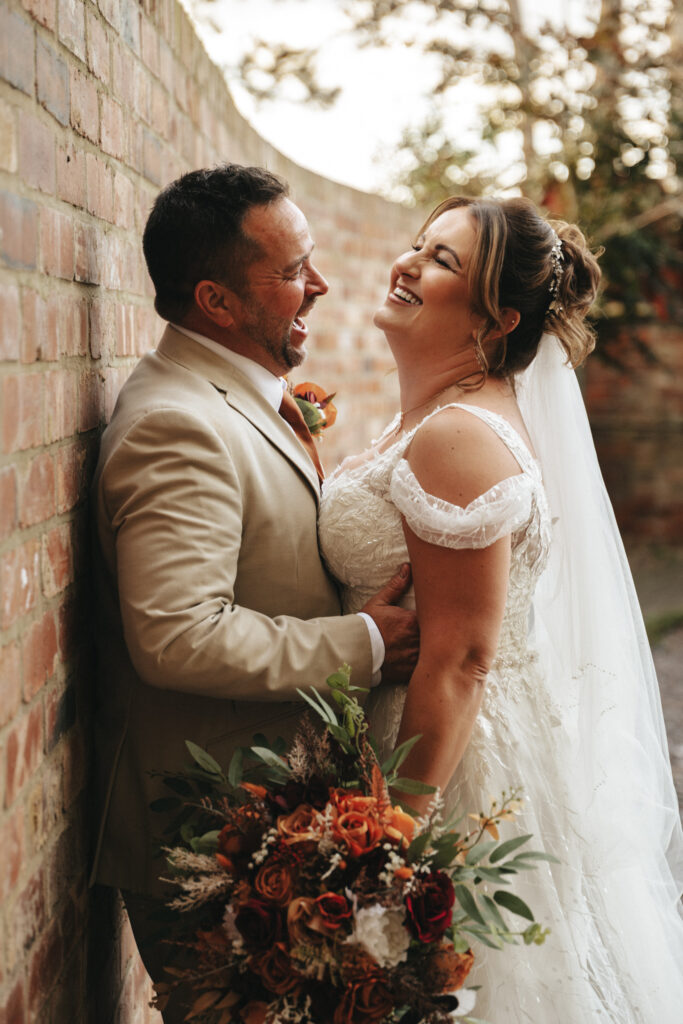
429	295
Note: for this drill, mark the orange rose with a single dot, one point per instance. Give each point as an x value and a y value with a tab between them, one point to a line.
260	792
360	832
347	800
304	824
452	967
398	825
275	970
275	881
254	1013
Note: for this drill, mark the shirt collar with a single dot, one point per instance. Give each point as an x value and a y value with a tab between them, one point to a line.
265	382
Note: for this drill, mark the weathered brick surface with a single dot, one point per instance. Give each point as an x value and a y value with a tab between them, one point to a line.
101	103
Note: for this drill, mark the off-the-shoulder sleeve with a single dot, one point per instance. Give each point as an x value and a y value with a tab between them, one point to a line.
503	509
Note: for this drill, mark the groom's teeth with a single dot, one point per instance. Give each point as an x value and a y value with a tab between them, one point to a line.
407	296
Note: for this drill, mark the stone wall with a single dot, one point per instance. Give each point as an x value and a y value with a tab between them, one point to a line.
100	105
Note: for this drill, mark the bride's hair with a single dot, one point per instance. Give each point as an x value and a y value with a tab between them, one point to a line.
512	266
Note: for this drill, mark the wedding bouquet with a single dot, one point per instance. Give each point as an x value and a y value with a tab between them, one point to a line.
324	899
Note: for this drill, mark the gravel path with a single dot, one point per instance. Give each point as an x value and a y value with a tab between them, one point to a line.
668	655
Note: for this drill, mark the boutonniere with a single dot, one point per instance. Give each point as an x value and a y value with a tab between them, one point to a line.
316	406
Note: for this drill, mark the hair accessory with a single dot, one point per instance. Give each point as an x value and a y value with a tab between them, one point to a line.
558	270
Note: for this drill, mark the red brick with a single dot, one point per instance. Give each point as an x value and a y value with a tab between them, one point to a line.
90	400
125	330
69	468
89	253
52	81
44	11
19	582
101	328
113	128
18	231
39	337
37	153
22	412
45	968
114	379
10	688
72	26
158	109
10	320
40	654
61	401
85	118
56	244
8	502
37	495
8	138
12	1011
24	751
151	157
98	47
111	9
99	188
17	49
57	560
71	174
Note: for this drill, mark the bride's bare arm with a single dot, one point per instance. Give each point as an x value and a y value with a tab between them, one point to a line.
460	598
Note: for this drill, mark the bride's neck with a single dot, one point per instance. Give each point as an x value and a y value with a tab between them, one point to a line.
422	382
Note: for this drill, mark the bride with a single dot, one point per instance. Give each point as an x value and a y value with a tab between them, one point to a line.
534	669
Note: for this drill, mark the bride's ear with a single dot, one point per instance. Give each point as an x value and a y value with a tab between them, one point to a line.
510	320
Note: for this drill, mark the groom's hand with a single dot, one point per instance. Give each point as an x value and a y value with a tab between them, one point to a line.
398	627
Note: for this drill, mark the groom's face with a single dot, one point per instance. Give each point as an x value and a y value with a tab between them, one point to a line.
281	286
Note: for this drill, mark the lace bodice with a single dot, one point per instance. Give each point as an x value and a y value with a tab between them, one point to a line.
361	531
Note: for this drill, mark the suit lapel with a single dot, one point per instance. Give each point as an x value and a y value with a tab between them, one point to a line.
241	395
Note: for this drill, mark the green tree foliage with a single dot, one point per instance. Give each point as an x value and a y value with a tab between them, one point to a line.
587	123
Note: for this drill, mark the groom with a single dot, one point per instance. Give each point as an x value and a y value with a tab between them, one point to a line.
214	603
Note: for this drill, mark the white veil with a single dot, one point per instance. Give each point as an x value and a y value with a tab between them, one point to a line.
624	827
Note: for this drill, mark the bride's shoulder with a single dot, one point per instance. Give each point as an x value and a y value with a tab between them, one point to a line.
455	455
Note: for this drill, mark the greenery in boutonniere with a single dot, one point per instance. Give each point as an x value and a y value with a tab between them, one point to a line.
316	406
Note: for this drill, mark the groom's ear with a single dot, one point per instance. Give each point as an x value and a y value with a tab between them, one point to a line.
216	301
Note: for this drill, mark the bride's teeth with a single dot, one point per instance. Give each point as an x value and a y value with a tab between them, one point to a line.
401	293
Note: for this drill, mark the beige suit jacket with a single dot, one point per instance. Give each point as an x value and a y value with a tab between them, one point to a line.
214	604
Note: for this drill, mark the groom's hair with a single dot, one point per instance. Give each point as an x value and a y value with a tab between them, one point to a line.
194	232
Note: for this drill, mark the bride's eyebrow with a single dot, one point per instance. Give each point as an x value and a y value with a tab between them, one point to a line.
446	248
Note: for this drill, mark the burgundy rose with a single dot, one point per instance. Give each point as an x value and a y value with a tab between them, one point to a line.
333	909
430	907
260	924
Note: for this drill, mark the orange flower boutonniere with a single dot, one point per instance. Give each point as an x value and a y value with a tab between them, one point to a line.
316	406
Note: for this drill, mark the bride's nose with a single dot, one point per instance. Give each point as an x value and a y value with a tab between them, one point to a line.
407	264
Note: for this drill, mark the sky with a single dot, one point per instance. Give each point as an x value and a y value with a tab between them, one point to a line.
382	90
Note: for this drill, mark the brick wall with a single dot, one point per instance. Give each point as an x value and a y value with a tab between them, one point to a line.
100	105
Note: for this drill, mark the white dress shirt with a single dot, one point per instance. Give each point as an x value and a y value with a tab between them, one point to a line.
272	387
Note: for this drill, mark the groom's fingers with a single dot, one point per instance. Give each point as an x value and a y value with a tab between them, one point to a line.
398	626
394	590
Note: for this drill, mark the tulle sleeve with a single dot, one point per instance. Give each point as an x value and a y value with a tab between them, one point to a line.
501	510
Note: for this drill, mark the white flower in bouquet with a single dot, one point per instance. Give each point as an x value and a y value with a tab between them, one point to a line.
466	997
381	933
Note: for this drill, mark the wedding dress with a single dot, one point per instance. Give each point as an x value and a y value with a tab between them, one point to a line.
615	951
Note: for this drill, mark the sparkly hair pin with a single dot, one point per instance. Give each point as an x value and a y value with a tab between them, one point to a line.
558	270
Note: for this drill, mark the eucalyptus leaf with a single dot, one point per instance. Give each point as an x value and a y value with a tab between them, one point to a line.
460	944
521	858
513	903
491	874
204	760
412	786
490	910
396	759
418	846
206	843
468	903
179	785
272	759
488	938
235	769
508	847
480	851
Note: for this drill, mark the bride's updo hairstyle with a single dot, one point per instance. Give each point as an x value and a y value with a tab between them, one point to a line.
516	264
